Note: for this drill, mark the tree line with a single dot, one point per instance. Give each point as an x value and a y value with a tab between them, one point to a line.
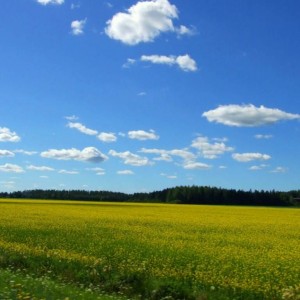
179	195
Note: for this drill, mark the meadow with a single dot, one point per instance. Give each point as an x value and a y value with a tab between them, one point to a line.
85	250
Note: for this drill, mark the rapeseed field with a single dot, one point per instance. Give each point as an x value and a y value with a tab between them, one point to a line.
151	251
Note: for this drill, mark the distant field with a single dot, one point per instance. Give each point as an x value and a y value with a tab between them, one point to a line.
146	251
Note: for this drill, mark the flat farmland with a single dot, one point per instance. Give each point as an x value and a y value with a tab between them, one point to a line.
89	250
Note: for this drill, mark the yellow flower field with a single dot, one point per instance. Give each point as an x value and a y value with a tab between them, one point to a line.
151	251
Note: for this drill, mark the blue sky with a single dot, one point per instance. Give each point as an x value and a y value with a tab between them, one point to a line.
139	96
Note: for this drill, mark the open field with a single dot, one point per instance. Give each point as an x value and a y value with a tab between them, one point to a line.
147	251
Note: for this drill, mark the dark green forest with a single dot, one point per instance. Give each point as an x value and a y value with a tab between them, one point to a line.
178	195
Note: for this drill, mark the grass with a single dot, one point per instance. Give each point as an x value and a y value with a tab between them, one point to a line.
150	251
15	284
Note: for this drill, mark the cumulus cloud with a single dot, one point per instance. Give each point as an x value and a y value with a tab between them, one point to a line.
8	184
257	168
143	135
142	22
6	135
131	158
247	115
129	63
99	171
166	155
11	168
75	6
246	157
210	150
168	176
107	137
184	62
77	27
196	166
82	128
109	5
90	154
68	172
25	152
46	2
279	170
6	153
184	154
39	168
71	118
163	155
189	158
183	30
125	172
263	136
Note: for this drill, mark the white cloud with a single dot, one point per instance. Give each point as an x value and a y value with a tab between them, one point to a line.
279	170
143	135
71	118
246	157
142	22
90	154
99	171
247	115
107	137
95	169
184	62
6	153
11	168
184	154
25	152
39	168
109	5
75	6
220	139
166	155
168	176
46	2
257	168
8	184
183	30
159	59
122	134
77	26
131	158
210	150
263	136
83	129
129	63
68	172
163	157
196	166
8	136
125	172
